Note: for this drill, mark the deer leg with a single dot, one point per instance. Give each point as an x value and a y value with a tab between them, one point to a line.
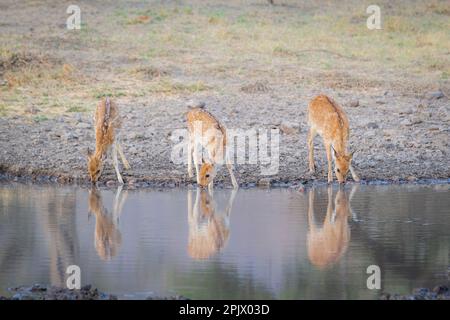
116	163
311	135
354	175
330	161
233	178
230	170
196	160
125	162
190	150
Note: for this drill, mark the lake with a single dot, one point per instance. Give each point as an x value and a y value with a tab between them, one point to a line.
248	244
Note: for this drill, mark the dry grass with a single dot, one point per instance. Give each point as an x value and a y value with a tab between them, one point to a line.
178	49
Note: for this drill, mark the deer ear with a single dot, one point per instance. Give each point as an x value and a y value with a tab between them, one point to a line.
336	154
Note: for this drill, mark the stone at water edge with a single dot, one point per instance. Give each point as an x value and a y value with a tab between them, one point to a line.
264	182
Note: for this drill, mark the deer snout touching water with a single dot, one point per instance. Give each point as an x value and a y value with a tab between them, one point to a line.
329	120
207	132
107	123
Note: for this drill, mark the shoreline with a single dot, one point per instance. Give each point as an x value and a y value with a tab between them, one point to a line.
88	292
132	183
411	151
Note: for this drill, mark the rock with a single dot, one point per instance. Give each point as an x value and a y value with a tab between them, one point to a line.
289	127
133	135
372	125
405	122
40	292
440	289
132	150
70	135
83	125
86	288
110	183
411	178
354	104
264	182
434	95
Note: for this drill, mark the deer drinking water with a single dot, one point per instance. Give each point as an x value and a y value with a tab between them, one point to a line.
329	120
107	123
207	132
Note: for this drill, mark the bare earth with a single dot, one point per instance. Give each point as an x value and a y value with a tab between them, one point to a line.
254	65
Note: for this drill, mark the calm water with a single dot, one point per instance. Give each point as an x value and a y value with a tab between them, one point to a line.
265	244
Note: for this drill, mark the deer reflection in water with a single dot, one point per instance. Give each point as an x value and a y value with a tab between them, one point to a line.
107	239
327	244
209	229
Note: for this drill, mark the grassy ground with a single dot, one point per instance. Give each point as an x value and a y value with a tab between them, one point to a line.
135	49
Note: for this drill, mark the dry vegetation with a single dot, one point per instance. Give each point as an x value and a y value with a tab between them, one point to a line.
133	49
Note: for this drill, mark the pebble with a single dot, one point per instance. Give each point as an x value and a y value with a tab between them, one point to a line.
111	183
354	104
289	127
83	125
372	125
434	95
264	182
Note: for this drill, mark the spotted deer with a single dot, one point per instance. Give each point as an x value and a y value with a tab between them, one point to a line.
329	120
107	123
206	131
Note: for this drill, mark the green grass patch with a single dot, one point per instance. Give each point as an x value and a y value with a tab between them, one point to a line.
76	109
172	87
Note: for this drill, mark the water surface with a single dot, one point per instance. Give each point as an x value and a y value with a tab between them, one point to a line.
249	244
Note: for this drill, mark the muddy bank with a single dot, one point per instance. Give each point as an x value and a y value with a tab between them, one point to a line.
43	292
397	138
